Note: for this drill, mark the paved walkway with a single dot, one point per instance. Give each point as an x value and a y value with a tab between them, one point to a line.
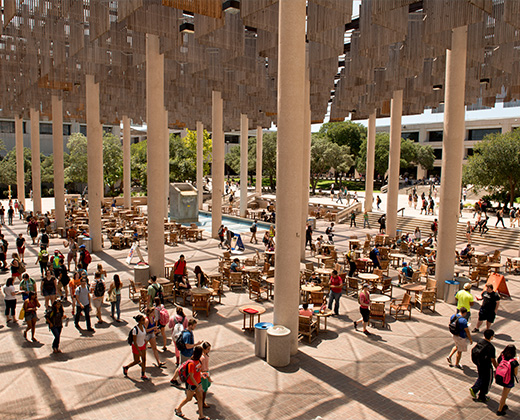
398	372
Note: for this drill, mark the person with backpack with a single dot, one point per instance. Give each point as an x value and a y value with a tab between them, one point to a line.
54	318
407	270
193	370
64	279
483	355
73	252
435	229
459	329
382	223
83	301
43	240
137	339
98	292
32	229
253	229
185	343
378	202
351	258
505	375
374	256
43	260
353	218
221	231
27	285
151	326
114	296
154	290
162	316
177	324
84	257
330	233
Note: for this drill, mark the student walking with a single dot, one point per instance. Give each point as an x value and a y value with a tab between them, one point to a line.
507	369
364	308
483	355
138	343
10	300
55	319
461	335
83	304
206	378
114	296
30	306
253	229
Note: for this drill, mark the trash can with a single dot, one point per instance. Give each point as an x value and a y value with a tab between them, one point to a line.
278	346
312	222
451	288
88	243
261	338
142	274
80	240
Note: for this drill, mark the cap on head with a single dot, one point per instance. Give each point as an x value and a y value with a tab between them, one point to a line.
82	246
365	285
404	263
467	286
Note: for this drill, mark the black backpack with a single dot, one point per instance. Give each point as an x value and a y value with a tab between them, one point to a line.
159	293
372	254
327	231
409	271
99	289
454	325
130	338
476	353
181	345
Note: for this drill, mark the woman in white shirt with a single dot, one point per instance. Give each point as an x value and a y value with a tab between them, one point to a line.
138	347
10	299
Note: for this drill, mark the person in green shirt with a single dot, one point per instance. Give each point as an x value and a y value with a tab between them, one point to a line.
465	299
27	285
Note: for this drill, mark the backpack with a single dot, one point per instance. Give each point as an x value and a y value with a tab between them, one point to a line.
45	238
503	372
183	371
99	288
328	230
164	316
48	315
159	294
87	258
454	325
179	342
177	330
130	338
44	258
476	354
372	255
409	271
21	267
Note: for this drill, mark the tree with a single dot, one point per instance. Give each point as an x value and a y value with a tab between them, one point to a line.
77	170
138	164
233	158
411	154
112	160
8	167
326	155
269	153
207	149
495	164
345	133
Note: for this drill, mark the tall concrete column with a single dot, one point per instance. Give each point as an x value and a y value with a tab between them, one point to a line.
127	171
95	162
396	112
20	164
291	126
155	149
244	128
166	163
57	151
306	155
217	166
259	135
452	154
369	175
200	163
35	160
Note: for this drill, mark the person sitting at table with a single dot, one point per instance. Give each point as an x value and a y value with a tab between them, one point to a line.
201	278
428	242
265	239
319	244
264	216
305	311
407	270
235	266
315	279
180	271
467	252
272	217
417	234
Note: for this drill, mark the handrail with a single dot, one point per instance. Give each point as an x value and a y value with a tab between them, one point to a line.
340	215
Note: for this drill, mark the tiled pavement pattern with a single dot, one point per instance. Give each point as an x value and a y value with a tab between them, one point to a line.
397	373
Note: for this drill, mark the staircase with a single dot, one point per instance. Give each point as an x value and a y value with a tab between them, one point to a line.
495	238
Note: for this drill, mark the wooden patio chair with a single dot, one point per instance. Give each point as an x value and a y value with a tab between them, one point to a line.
235	280
352	286
385	287
168	292
216	285
377	313
307	327
143	300
400	306
426	299
200	303
423	271
316	298
115	242
133	291
257	290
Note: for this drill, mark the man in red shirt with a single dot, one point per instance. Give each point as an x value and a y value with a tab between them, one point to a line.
180	272
336	286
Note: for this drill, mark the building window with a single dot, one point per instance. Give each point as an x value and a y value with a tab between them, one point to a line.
45	128
232	139
67	129
435	136
480	133
107	129
135	140
437	153
469	152
414	136
6	126
83	129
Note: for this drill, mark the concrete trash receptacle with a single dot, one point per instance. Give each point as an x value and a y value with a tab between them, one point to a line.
141	275
312	222
88	243
278	346
451	288
80	240
261	338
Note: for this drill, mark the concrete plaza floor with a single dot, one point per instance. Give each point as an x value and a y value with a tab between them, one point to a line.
398	372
